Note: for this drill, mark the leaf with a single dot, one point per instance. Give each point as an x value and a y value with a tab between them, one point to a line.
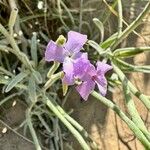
15	81
32	89
37	76
34	48
144	69
12	20
100	26
107	43
95	46
65	89
129	51
45	37
132	68
3	2
4	71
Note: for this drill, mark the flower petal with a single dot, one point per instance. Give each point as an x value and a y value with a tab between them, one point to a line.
75	42
68	68
85	88
92	71
80	67
80	55
102	84
54	52
102	68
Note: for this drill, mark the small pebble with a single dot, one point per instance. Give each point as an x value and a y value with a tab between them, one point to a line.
4	130
14	103
6	77
40	5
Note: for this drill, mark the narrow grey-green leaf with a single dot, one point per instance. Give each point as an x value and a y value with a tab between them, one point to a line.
45	37
132	68
100	26
144	69
129	51
4	71
32	89
107	43
95	46
34	48
15	81
37	76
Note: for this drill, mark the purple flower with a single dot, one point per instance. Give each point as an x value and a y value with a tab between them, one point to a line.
71	48
91	77
70	68
77	66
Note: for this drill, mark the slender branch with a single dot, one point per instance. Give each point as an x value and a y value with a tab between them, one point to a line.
33	133
18	134
120	18
12	4
6	82
133	111
132	88
53	79
21	56
30	125
113	11
121	114
76	134
80	16
77	126
12	20
53	69
132	26
10	97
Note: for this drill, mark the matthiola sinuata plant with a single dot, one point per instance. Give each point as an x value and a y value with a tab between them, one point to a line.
76	65
77	69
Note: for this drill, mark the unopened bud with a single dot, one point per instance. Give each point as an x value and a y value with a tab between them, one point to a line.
61	40
65	88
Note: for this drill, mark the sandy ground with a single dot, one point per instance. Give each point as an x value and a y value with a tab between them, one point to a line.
13	116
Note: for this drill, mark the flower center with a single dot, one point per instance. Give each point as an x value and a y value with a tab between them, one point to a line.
94	77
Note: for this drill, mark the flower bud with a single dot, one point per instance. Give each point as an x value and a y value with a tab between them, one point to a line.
61	40
65	88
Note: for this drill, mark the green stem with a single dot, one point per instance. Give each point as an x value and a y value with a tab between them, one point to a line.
32	131
53	69
133	111
6	72
120	18
44	123
128	67
17	133
132	88
77	126
76	134
121	114
6	82
21	56
53	79
10	97
132	26
129	51
81	15
12	20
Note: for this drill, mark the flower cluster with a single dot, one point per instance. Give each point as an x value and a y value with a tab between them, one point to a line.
76	66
